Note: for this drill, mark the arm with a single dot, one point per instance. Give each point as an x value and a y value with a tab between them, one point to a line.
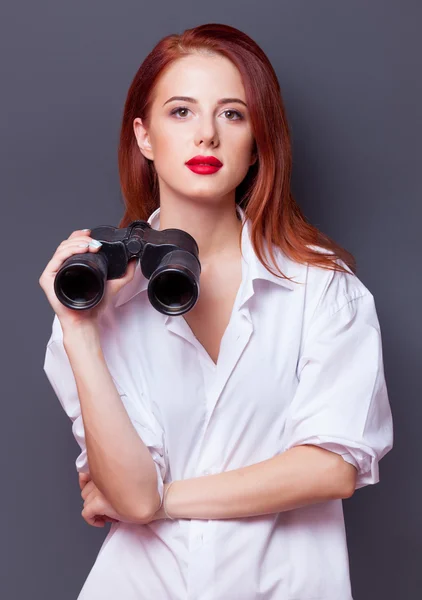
341	403
120	464
300	476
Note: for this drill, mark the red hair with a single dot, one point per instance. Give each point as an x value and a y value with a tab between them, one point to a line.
264	194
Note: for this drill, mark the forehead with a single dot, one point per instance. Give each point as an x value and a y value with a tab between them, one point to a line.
200	76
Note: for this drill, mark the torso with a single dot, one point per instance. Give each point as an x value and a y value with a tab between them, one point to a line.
199	423
209	318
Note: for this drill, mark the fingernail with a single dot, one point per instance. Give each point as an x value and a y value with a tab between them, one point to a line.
95	244
86	230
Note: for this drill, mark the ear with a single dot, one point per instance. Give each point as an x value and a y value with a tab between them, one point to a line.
142	138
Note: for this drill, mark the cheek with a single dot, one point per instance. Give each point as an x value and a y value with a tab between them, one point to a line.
164	146
240	157
169	146
242	142
166	153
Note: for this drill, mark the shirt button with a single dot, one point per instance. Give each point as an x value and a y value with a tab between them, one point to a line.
206	472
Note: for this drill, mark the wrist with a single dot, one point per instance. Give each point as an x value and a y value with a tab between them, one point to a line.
167	505
86	332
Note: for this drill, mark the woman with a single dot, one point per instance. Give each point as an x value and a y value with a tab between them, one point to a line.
253	415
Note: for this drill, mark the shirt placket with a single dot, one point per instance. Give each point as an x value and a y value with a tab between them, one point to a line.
202	575
201	580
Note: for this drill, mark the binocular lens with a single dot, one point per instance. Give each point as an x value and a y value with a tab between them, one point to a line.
79	285
80	281
173	287
173	290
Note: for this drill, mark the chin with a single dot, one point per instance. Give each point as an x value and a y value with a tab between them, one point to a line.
204	189
200	190
208	195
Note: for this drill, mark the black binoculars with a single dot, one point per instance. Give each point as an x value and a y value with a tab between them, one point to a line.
168	258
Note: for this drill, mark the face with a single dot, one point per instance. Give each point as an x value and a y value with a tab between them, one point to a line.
179	130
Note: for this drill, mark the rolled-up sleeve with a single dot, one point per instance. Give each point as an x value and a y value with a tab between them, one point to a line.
60	375
341	401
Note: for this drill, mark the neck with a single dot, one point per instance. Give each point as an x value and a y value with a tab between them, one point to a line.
215	227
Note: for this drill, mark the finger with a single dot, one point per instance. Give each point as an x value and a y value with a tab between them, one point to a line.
83	479
84	476
94	510
89	487
100	521
79	232
91	518
62	253
79	242
130	271
82	239
126	278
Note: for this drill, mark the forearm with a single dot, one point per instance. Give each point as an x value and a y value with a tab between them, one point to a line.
120	464
300	476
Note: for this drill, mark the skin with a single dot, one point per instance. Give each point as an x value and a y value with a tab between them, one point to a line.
204	206
78	243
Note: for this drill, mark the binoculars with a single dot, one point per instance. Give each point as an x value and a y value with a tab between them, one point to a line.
168	258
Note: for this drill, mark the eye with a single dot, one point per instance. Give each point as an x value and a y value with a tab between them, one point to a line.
176	110
185	108
235	112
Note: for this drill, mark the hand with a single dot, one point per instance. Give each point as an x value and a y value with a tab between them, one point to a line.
66	249
97	510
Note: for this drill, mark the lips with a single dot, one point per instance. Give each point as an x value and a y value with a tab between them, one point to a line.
205	160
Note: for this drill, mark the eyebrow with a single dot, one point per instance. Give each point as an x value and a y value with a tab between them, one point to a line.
194	101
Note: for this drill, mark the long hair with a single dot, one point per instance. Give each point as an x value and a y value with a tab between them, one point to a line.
264	194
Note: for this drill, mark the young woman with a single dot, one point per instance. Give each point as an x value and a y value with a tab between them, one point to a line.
254	414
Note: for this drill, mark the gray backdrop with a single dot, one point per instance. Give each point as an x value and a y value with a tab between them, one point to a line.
350	77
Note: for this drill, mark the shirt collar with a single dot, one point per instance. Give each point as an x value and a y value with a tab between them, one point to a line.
254	268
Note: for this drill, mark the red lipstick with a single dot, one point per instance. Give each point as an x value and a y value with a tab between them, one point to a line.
204	165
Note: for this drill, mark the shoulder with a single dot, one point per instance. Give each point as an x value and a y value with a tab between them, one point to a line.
327	290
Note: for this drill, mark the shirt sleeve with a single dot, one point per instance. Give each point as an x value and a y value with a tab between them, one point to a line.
60	375
341	401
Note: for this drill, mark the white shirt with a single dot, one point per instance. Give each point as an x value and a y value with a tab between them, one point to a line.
298	364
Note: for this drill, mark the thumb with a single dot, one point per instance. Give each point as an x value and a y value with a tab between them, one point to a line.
130	271
115	285
128	276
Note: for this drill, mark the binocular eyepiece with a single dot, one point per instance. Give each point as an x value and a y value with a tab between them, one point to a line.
168	258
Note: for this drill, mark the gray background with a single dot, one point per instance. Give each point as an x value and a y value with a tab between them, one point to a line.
350	78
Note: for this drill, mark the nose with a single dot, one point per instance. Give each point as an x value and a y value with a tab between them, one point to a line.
207	133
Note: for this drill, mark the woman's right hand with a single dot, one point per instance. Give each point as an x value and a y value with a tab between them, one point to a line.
78	243
98	520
